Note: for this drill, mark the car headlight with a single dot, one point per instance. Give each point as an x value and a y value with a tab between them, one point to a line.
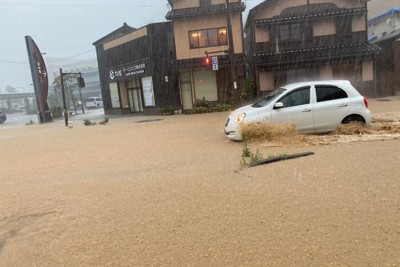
239	117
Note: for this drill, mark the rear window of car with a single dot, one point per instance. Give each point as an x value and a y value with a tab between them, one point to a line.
329	92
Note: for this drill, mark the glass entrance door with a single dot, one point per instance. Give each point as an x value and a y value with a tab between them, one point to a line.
135	96
186	86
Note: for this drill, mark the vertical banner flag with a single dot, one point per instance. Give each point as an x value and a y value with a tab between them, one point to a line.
39	78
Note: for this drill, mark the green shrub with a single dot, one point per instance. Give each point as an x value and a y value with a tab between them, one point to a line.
209	107
249	157
31	122
56	112
199	110
88	122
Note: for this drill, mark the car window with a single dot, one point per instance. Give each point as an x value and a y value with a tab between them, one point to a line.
297	97
329	92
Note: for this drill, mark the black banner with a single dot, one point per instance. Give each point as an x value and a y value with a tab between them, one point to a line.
39	78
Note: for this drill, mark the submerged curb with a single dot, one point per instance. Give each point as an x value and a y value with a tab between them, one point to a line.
280	158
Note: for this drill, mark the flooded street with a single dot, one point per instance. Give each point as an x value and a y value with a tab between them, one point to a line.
20	118
172	192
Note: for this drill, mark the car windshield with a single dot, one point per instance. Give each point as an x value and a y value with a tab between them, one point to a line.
270	97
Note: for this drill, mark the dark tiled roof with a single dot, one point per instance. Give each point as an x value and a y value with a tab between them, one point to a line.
198	62
206	10
125	29
325	14
318	53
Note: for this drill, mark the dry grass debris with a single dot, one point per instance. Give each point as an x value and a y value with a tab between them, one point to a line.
383	127
272	132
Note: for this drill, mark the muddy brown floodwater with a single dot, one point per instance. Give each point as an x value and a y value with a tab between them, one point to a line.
172	192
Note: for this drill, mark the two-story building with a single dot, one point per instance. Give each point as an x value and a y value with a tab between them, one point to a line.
294	40
383	24
385	32
134	69
213	28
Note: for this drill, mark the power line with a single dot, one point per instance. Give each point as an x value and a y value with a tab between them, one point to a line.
64	58
78	5
13	62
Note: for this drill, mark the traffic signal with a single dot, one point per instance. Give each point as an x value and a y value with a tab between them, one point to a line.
207	61
81	82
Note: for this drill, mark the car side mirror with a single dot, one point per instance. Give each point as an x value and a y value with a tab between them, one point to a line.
278	105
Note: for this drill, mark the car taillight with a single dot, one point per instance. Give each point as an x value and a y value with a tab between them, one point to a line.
366	102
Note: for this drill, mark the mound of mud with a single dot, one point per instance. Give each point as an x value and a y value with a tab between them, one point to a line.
266	131
352	128
383	127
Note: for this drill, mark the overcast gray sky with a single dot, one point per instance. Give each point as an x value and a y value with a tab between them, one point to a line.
66	29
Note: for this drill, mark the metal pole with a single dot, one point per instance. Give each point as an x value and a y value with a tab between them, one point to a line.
231	50
80	96
63	97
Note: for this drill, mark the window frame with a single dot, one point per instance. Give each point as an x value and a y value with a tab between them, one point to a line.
196	41
292	30
296	32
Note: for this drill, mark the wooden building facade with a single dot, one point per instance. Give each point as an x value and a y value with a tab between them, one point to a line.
201	28
295	40
134	69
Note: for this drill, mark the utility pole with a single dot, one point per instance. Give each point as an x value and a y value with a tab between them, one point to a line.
231	50
63	97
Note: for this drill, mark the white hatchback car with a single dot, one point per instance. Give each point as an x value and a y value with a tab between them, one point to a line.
314	107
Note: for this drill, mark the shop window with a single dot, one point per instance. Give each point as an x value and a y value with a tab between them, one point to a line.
208	38
115	102
205	85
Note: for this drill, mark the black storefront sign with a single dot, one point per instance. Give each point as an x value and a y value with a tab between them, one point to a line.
127	72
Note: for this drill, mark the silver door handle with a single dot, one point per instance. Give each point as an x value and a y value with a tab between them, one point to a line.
342	105
307	110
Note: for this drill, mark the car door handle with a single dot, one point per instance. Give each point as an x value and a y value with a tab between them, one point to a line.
306	110
342	105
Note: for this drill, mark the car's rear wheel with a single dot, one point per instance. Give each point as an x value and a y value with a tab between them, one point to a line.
354	119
